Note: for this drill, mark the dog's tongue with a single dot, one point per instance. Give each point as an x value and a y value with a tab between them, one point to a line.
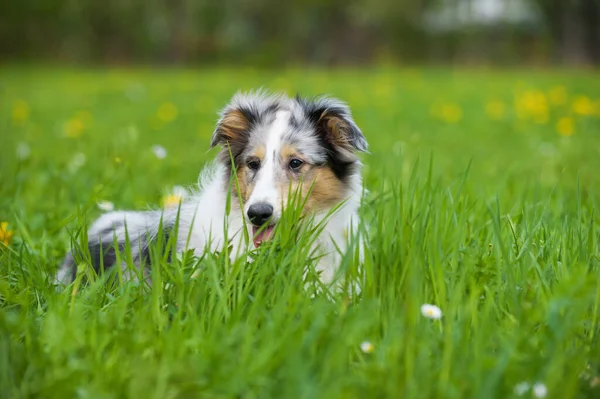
263	235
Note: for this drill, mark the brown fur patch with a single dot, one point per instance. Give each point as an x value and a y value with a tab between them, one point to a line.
327	189
287	151
337	129
320	184
259	152
242	183
234	124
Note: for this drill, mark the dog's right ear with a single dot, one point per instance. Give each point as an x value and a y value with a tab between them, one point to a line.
232	126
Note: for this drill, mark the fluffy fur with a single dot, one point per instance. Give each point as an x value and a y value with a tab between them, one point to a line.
275	145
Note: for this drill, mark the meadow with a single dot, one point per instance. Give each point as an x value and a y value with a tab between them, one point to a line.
483	201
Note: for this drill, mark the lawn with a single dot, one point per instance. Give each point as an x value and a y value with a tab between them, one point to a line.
483	200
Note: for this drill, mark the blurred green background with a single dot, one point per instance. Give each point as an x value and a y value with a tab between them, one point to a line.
275	33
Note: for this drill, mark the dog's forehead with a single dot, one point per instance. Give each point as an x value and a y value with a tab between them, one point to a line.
285	127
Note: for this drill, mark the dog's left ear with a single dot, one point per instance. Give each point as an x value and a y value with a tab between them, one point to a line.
334	121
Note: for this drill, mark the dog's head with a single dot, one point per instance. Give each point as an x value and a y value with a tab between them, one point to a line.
281	145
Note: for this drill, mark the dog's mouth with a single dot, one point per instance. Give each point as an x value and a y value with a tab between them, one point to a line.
261	234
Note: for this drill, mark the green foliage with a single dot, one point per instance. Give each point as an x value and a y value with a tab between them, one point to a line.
482	200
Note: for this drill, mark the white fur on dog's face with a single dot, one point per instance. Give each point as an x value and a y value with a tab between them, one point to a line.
268	181
281	146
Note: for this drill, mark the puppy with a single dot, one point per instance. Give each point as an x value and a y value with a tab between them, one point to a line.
271	146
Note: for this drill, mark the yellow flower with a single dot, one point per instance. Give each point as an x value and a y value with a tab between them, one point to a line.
565	126
20	112
582	105
5	234
495	109
532	104
171	200
175	197
167	112
74	128
451	113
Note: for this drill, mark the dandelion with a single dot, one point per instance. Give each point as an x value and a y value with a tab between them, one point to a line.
532	104
159	151
451	113
74	128
521	388
106	206
565	126
582	105
167	112
20	112
540	390
5	234
23	151
431	311
367	347
174	198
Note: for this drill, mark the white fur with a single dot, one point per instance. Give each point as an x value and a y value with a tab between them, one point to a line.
266	188
202	216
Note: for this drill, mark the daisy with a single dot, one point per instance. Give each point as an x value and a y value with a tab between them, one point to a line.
106	206
367	347
540	390
431	311
159	151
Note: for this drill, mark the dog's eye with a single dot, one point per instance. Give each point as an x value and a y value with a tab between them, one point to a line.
295	164
254	164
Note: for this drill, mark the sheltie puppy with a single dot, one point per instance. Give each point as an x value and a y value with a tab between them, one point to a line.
271	146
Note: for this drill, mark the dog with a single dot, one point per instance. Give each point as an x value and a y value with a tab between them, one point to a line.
271	145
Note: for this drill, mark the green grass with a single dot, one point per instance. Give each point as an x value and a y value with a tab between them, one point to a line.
477	204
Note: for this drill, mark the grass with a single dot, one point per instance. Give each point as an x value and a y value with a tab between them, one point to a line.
483	201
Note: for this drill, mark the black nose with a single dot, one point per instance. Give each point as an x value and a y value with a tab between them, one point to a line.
260	213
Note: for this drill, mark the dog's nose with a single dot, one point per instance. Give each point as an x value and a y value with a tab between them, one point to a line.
260	213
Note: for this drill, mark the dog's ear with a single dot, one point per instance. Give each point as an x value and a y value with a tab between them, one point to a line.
334	122
232	126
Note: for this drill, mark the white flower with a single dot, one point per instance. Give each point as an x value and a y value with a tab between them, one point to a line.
159	151
106	206
77	162
23	151
540	390
431	311
367	347
521	388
